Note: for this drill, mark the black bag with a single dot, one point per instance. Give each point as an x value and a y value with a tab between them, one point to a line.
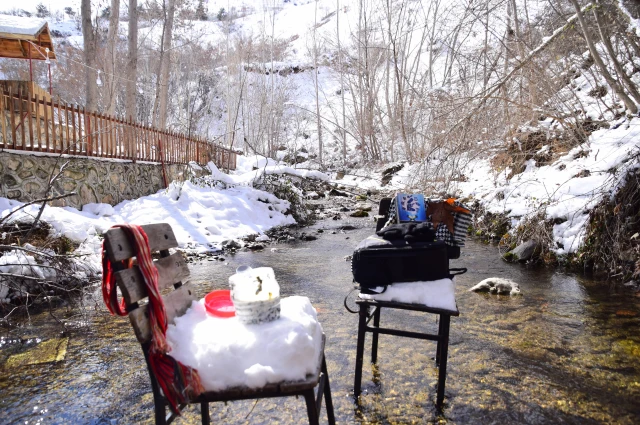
380	262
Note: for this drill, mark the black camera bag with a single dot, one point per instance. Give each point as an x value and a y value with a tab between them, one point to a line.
379	262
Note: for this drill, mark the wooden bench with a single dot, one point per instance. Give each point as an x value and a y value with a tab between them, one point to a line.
173	270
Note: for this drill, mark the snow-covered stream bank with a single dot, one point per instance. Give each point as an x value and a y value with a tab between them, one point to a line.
204	217
563	352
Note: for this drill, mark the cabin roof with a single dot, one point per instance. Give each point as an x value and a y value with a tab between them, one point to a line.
25	38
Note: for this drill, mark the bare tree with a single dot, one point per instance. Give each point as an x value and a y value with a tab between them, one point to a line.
162	81
617	88
315	81
89	38
613	57
132	61
110	60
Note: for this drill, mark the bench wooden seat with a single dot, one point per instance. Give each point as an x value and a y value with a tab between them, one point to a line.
172	271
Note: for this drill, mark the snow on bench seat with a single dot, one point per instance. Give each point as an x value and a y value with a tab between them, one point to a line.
435	294
229	354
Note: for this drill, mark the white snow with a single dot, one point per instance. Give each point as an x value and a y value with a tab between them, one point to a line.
201	218
227	353
558	189
435	294
19	25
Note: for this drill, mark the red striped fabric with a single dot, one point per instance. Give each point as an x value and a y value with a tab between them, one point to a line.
179	383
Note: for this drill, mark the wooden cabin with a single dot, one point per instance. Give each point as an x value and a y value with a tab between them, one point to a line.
25	38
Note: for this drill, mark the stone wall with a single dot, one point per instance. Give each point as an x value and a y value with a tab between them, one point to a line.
24	177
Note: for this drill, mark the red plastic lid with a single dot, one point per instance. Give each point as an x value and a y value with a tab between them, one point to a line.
218	303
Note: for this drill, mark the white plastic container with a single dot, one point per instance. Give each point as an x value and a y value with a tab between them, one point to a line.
255	294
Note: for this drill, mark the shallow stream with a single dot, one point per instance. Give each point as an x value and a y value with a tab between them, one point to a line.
565	352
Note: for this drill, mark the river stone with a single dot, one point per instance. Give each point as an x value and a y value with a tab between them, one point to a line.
33	188
69	185
231	244
524	251
74	174
53	350
363	206
42	174
497	285
336	192
9	181
28	163
87	194
13	164
25	173
359	213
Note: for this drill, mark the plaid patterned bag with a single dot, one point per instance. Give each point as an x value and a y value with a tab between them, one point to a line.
461	223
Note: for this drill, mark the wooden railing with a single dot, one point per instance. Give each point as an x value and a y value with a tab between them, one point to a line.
31	122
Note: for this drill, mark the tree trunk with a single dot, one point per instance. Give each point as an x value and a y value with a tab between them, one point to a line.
505	92
341	71
89	38
521	51
110	61
132	61
630	85
315	74
598	60
165	61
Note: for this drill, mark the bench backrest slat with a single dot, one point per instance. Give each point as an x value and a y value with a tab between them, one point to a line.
176	304
171	270
160	236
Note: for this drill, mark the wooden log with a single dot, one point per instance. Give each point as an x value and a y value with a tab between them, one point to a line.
13	119
3	117
46	123
24	143
67	148
53	127
38	127
74	137
85	129
112	136
29	121
29	117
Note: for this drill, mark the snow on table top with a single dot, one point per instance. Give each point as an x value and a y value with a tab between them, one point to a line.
227	353
435	294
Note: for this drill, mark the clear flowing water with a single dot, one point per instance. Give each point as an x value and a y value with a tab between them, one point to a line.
565	352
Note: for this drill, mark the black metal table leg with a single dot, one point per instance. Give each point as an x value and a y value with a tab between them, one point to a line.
362	324
444	348
327	394
438	346
312	411
374	344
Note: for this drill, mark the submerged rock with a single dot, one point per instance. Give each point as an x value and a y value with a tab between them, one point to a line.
363	206
522	252
497	285
336	192
53	350
232	244
359	213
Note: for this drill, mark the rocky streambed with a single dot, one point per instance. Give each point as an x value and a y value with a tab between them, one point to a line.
565	351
